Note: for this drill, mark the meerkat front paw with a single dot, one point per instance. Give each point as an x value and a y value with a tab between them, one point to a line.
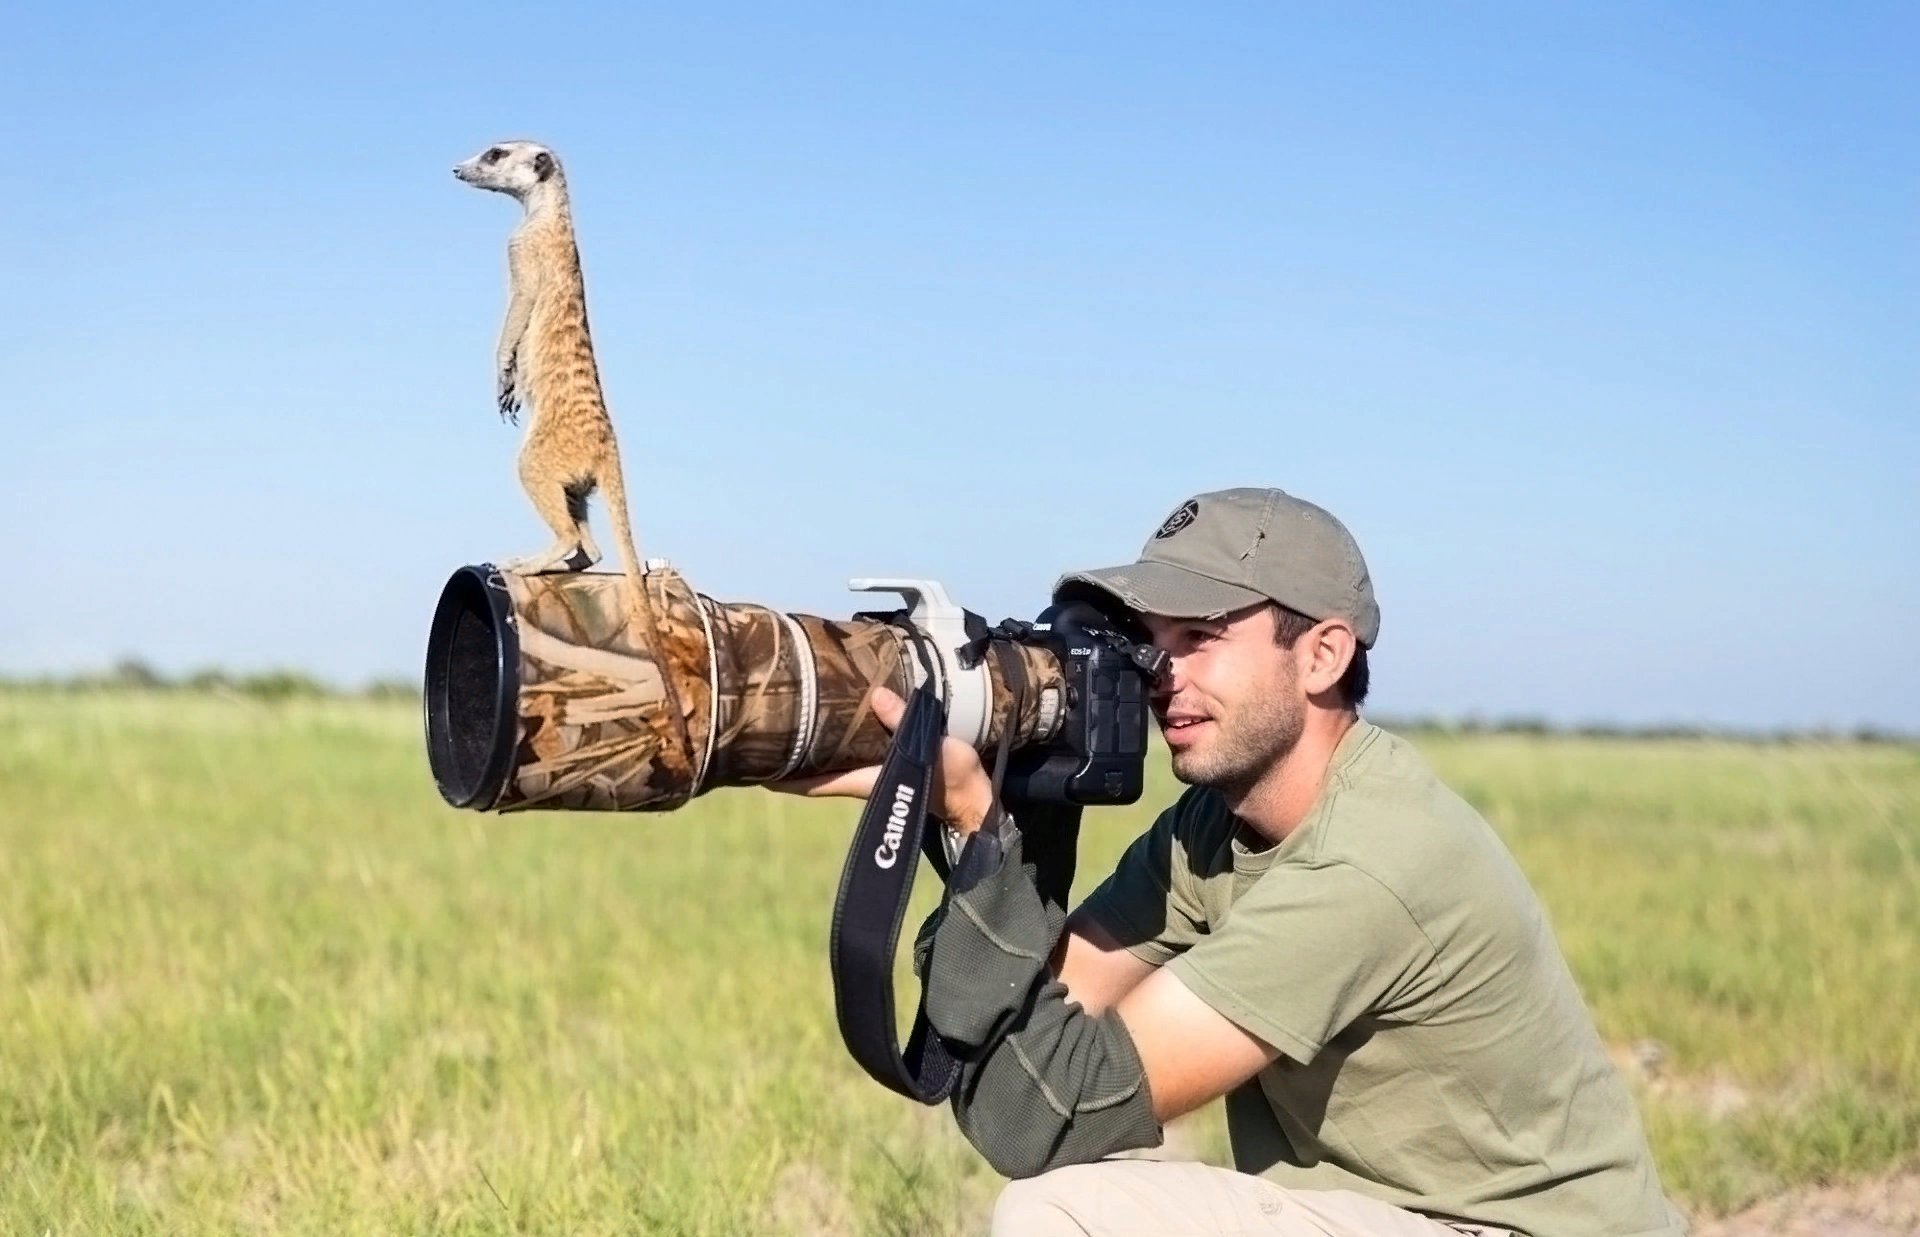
507	392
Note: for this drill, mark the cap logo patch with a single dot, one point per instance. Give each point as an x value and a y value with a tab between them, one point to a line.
1186	514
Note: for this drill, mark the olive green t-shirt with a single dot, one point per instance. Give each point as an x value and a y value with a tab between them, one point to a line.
1436	1052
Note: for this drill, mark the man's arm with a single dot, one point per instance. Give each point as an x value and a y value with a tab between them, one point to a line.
1096	968
1188	1052
1044	1082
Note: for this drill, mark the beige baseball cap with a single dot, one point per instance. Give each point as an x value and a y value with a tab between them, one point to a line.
1231	549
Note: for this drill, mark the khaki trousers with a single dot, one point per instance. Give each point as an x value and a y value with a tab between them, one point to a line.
1162	1198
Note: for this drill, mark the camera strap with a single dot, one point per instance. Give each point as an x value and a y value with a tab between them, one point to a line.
876	883
875	886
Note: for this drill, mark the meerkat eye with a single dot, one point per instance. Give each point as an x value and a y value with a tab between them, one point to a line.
493	156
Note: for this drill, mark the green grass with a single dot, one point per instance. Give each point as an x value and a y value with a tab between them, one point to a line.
255	977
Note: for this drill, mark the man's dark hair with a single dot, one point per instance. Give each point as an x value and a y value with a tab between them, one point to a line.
1289	625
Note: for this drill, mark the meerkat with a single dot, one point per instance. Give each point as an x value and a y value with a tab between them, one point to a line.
545	363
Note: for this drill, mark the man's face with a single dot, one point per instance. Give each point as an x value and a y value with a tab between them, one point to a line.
1230	704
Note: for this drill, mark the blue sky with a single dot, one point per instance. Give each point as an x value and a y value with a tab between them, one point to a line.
1596	325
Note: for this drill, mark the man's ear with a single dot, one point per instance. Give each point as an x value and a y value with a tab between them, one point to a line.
1328	648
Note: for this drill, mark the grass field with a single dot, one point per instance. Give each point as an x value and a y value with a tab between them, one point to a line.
254	977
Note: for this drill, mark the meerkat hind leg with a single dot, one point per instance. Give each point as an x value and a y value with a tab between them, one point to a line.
577	507
561	506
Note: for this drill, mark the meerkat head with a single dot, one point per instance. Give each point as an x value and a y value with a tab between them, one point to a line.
517	168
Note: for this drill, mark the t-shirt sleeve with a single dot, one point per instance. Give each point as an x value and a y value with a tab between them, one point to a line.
1307	951
1145	903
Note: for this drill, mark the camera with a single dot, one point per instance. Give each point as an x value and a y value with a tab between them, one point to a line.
1098	754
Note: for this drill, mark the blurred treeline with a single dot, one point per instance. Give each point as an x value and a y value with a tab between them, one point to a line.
287	683
282	683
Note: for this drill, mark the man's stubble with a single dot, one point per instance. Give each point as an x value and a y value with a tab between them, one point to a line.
1258	735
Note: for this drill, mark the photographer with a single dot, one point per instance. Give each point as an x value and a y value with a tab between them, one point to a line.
1318	930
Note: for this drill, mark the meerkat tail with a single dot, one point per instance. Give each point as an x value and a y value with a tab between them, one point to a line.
613	488
640	613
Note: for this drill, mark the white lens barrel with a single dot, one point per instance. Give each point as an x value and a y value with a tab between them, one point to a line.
967	693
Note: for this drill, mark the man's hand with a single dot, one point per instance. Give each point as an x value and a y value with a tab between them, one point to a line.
962	791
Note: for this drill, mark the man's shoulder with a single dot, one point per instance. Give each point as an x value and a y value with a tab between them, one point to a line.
1379	778
1387	811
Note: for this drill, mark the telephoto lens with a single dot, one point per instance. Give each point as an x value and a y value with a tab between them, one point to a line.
542	694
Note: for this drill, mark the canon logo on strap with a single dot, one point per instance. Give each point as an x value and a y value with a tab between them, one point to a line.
889	850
